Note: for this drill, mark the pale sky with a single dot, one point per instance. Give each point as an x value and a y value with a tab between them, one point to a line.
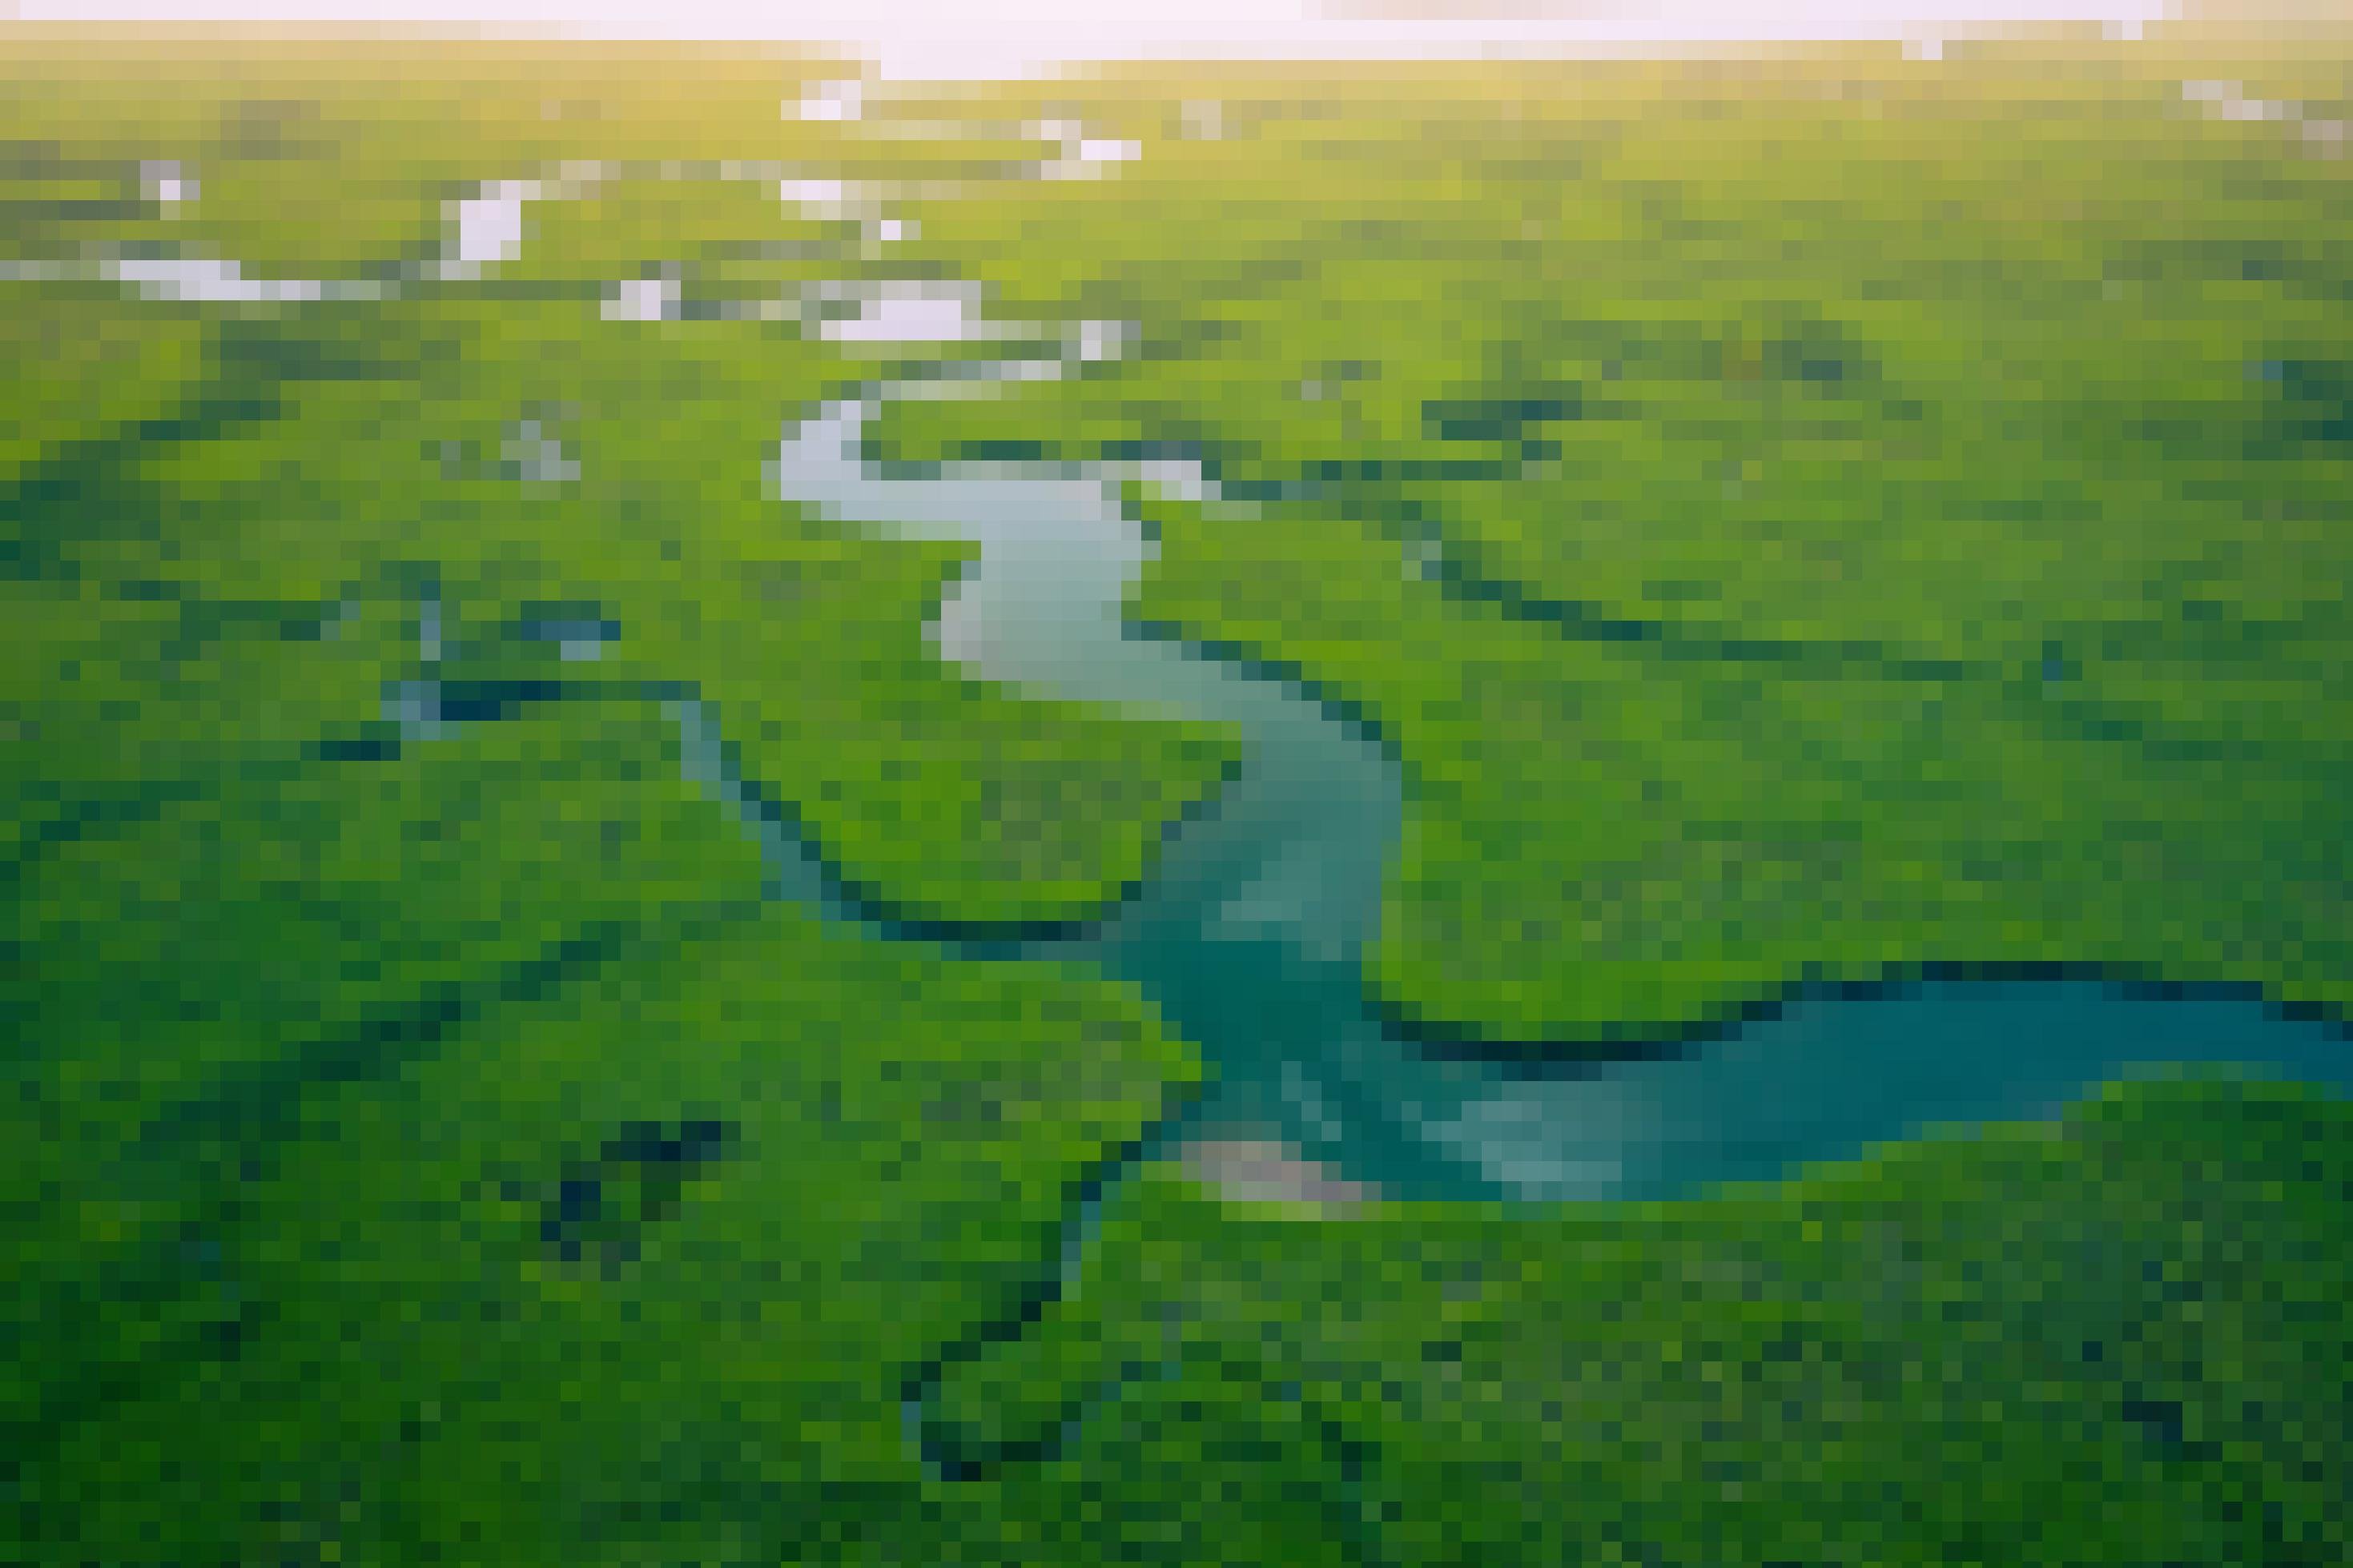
995	38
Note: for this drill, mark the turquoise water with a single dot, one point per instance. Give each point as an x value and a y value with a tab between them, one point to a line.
1248	938
1250	934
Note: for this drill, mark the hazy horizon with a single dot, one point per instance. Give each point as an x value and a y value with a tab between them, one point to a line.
943	38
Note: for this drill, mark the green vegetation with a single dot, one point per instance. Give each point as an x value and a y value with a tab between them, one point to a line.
85	366
175	982
2115	1340
633	1271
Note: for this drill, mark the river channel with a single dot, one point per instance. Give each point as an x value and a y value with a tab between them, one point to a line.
1248	936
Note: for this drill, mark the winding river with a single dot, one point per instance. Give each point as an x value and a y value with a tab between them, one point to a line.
1249	935
1248	939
